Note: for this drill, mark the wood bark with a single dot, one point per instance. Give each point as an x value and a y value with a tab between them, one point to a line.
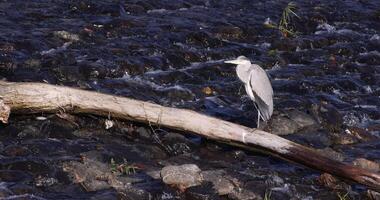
43	98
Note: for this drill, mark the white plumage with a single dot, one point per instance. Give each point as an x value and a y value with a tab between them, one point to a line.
257	86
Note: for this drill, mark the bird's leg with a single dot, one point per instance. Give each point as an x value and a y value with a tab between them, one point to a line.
258	118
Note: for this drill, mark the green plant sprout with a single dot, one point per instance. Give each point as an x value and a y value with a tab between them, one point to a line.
123	168
284	25
343	197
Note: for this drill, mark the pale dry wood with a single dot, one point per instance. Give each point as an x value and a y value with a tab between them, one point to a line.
44	98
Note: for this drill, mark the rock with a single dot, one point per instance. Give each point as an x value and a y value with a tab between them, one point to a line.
373	195
228	32
221	184
281	125
15	150
29	131
332	120
20	188
330	153
182	176
314	138
14	176
144	133
88	173
360	134
42	181
344	139
177	143
66	36
285	192
155	174
274	181
31	166
328	180
243	195
202	192
367	164
4	192
301	118
105	195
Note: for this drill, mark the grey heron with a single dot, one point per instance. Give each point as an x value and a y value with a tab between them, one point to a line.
257	86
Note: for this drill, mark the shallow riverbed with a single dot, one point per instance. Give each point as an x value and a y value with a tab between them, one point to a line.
326	81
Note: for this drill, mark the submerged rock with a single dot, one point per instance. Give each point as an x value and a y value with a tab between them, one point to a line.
220	183
182	176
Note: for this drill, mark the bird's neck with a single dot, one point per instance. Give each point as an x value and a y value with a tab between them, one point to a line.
243	72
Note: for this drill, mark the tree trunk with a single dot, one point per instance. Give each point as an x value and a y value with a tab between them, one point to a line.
43	98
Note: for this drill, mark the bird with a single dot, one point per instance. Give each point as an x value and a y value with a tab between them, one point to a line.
257	85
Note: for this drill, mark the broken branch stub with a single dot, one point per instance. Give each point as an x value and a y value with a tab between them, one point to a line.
5	111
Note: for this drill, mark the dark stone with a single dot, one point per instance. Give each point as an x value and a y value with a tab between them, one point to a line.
15	150
31	166
20	188
14	176
202	192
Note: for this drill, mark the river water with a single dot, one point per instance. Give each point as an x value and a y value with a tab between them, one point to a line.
325	78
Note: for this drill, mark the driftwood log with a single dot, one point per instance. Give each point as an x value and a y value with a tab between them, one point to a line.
43	98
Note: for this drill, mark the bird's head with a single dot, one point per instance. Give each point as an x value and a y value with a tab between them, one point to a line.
241	60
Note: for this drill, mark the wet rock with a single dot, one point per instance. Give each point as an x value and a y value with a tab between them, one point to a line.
144	133
42	181
344	139
176	60
178	94
182	176
106	195
177	143
373	195
31	166
360	134
33	63
29	131
15	150
149	152
301	118
202	39
22	189
330	153
370	58
367	164
330	117
14	176
134	8
274	181
284	192
222	185
154	174
281	125
368	75
243	195
228	32
86	174
314	138
285	44
93	70
329	181
5	192
202	192
59	128
66	35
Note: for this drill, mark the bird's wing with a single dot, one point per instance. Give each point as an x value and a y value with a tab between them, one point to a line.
262	90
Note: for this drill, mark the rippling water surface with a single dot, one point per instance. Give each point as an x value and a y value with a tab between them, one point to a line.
172	52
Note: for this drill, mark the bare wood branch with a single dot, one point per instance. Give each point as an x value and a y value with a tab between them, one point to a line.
39	97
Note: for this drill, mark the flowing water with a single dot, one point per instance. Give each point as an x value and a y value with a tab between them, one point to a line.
326	82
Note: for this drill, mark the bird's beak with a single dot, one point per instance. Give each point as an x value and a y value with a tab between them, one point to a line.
236	62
